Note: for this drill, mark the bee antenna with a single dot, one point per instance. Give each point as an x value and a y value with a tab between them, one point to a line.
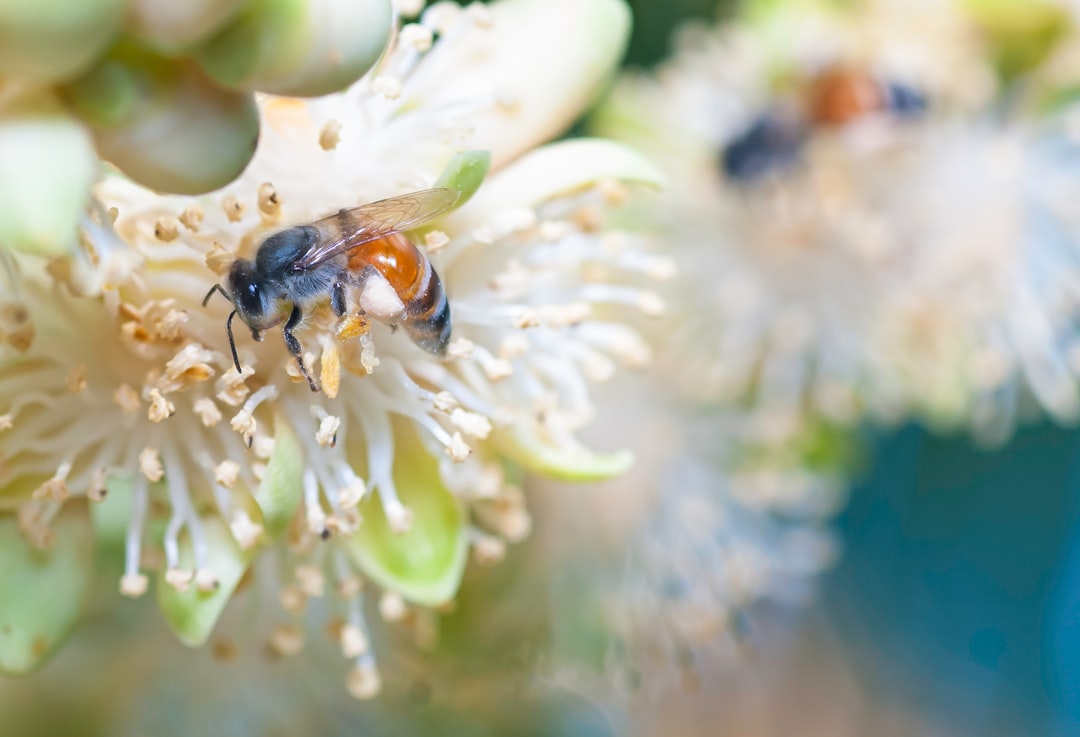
232	341
216	288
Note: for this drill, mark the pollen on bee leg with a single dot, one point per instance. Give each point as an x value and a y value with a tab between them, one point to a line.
330	370
351	327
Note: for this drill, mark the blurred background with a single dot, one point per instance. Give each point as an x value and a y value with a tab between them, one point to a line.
953	609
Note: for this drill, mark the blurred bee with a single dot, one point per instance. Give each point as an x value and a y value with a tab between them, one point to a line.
360	248
833	98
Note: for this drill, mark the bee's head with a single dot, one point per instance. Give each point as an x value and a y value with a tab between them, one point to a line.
248	294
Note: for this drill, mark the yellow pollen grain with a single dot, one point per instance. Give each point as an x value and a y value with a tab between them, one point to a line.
55	489
292	599
286	640
226	473
166	229
76	379
354	642
22	337
179	579
161	408
208	413
351	327
234	208
98	488
363	682
311	581
244	530
387	86
133	585
392	607
330	135
436	240
326	436
6	422
269	204
127	398
150	465
458	450
330	371
192	217
348	587
218	260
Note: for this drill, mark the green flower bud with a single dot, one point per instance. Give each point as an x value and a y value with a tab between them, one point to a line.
49	166
172	26
164	123
299	47
54	40
42	591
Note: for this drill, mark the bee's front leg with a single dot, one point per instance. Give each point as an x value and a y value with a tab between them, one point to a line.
294	345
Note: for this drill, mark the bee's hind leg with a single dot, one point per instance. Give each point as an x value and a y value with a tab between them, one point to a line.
294	345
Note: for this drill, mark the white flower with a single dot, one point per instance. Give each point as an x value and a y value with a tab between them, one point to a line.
400	462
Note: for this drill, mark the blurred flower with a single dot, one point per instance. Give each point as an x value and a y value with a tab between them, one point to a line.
150	86
405	461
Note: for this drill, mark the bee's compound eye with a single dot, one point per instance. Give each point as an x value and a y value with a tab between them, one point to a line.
246	291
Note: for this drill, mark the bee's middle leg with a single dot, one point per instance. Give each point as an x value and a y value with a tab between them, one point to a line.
337	299
294	345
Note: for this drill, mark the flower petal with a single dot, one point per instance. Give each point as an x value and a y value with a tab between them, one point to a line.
281	488
572	462
42	591
192	614
49	165
558	169
426	563
551	57
465	173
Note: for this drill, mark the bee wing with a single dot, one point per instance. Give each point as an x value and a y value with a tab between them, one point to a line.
349	228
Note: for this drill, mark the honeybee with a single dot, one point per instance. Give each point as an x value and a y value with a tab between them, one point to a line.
832	98
355	248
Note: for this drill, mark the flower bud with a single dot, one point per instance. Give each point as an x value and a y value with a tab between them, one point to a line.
299	47
51	41
49	165
171	26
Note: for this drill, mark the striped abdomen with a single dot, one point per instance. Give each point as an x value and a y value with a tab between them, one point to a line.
409	272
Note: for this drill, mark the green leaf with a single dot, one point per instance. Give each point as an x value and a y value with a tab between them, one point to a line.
42	591
426	563
282	485
192	614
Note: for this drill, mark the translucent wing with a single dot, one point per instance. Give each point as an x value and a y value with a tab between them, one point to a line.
353	227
